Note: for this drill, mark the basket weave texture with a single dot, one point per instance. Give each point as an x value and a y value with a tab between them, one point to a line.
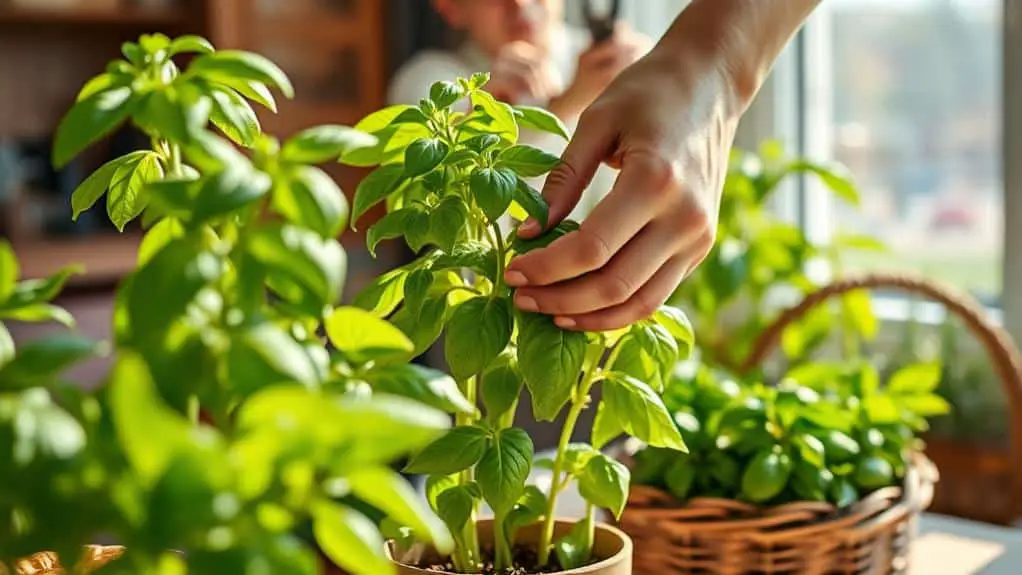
706	536
46	563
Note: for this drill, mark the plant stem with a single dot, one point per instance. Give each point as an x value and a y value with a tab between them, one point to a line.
498	242
193	409
578	403
176	167
501	546
470	538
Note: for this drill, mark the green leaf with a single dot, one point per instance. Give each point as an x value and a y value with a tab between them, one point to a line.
150	434
36	291
93	188
427	386
310	198
381	119
234	116
9	270
551	360
648	352
800	339
522	246
411	116
264	355
502	115
474	255
350	539
678	325
858	308
6	345
324	144
173	277
859	242
604	483
236	65
127	196
527	161
478	80
834	177
542	120
500	387
447	222
392	225
811	449
575	549
424	327
606	427
532	201
679	478
254	91
89	120
766	476
445	93
457	451
528	510
481	143
504	468
423	155
191	44
915	379
42	428
455	507
417	287
881	409
175	112
361	336
102	83
229	190
417	234
388	492
925	405
641	412
41	360
375	187
384	294
39	312
317	264
477	332
493	189
437	484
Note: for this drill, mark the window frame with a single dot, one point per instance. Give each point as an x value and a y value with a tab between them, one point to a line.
793	97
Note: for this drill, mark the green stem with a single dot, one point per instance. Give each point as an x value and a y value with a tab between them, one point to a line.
470	537
578	403
501	545
176	167
498	242
193	409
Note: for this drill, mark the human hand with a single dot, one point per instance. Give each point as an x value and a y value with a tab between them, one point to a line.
668	123
522	73
597	68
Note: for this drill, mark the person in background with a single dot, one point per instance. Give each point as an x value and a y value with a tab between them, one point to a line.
533	57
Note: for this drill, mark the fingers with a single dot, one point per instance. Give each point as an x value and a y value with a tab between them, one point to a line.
641	192
613	284
640	306
592	142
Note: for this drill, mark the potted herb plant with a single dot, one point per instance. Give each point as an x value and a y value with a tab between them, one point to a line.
231	315
449	170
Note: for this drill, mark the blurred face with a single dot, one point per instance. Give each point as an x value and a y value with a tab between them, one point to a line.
492	24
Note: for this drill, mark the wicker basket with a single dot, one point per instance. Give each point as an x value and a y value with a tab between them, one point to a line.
873	537
47	563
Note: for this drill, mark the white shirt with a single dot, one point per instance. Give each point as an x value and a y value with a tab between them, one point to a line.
412	81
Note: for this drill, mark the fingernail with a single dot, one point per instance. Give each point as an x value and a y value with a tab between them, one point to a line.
515	279
526	303
565	322
529	227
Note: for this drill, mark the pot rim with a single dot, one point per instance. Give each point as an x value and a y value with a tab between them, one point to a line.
627	550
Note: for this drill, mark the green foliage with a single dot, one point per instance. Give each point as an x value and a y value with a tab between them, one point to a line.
448	170
222	319
826	432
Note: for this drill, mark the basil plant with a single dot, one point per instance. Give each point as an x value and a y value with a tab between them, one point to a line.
245	410
449	171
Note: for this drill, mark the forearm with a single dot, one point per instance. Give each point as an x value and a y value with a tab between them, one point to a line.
742	37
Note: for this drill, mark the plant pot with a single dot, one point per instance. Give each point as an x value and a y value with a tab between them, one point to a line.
611	547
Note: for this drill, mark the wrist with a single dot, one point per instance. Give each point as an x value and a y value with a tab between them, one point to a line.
567	106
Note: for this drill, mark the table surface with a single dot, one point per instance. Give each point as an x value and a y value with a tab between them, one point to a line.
944	546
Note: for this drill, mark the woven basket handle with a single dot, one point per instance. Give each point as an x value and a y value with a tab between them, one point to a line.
996	341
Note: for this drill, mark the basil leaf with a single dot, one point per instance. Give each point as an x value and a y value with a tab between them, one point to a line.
93	188
648	353
678	325
190	43
393	225
89	120
444	94
604	483
500	387
127	199
379	184
533	202
504	468
428	386
325	143
362	336
447	222
542	120
527	161
9	270
229	190
350	539
315	263
477	256
477	332
423	155
388	492
551	360
461	448
234	116
493	189
238	65
310	198
384	294
606	427
641	412
455	506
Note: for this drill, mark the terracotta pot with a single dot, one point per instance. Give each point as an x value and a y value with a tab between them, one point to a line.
611	546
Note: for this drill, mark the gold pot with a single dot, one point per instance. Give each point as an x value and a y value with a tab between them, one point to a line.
611	547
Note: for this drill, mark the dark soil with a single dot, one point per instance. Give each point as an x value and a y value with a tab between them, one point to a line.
524	559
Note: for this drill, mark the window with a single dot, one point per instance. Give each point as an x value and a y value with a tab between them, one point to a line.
907	94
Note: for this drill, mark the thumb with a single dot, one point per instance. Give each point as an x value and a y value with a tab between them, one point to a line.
563	188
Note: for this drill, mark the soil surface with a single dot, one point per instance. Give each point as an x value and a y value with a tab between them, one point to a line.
524	559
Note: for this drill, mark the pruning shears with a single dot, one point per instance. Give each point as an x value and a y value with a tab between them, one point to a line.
601	26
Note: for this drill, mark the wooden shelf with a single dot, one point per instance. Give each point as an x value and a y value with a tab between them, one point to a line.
127	16
106	259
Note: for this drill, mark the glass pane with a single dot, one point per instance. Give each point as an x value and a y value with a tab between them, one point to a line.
915	113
